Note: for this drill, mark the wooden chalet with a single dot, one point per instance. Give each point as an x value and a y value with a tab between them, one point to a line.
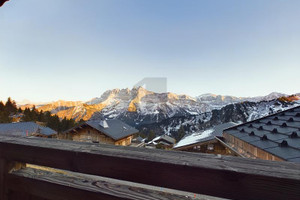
163	142
274	137
25	129
110	131
207	141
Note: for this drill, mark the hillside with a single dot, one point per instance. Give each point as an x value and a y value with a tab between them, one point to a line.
166	112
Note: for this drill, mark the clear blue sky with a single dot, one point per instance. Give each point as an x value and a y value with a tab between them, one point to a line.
75	50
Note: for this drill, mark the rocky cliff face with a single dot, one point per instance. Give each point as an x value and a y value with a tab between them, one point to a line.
167	112
239	113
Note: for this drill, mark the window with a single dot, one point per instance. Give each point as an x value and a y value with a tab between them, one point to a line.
210	147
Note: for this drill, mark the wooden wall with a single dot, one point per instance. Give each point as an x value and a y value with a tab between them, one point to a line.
203	147
88	134
249	150
125	141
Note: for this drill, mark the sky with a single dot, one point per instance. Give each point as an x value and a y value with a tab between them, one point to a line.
76	50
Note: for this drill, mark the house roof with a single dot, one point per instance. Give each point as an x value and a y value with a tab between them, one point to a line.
24	128
116	129
278	134
204	136
166	138
139	139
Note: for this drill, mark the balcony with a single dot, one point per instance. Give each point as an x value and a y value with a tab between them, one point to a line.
38	168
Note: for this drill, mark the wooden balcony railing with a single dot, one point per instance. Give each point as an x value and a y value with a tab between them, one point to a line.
81	168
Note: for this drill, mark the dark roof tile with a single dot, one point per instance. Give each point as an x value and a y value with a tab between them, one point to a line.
293	142
24	128
263	144
116	128
278	134
283	152
297	160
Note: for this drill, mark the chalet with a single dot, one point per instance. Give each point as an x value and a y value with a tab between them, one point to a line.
138	139
26	129
207	141
110	131
274	137
164	141
138	142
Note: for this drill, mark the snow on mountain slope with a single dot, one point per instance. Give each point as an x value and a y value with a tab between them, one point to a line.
238	113
140	106
143	102
218	101
165	113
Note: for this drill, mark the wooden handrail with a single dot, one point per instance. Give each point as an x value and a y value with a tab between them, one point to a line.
220	176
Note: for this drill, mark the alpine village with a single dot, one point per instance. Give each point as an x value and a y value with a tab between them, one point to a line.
137	143
272	135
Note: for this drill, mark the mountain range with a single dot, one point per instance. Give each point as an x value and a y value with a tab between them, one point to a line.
167	112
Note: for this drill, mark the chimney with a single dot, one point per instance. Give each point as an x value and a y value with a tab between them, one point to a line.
103	123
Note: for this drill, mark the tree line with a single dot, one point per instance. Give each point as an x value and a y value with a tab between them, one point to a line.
9	112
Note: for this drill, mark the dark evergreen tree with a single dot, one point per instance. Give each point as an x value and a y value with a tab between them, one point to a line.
151	135
20	110
41	116
11	106
180	134
27	115
1	106
34	115
54	123
4	117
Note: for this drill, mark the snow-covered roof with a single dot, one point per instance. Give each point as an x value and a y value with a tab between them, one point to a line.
194	138
166	138
163	139
204	136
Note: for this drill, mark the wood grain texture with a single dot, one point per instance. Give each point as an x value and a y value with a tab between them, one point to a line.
3	172
221	176
7	166
76	186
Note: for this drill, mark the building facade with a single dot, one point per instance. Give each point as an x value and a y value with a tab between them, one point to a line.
102	131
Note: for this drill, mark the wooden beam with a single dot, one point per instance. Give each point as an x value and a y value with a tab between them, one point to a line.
7	166
221	176
73	186
229	147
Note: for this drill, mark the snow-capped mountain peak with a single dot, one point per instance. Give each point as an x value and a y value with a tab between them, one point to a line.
145	105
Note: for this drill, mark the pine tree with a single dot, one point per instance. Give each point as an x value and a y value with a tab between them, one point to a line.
4	117
34	114
27	115
20	110
180	134
151	135
11	106
54	123
1	106
41	117
64	124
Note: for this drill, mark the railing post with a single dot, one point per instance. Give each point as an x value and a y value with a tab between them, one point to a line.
6	167
3	171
